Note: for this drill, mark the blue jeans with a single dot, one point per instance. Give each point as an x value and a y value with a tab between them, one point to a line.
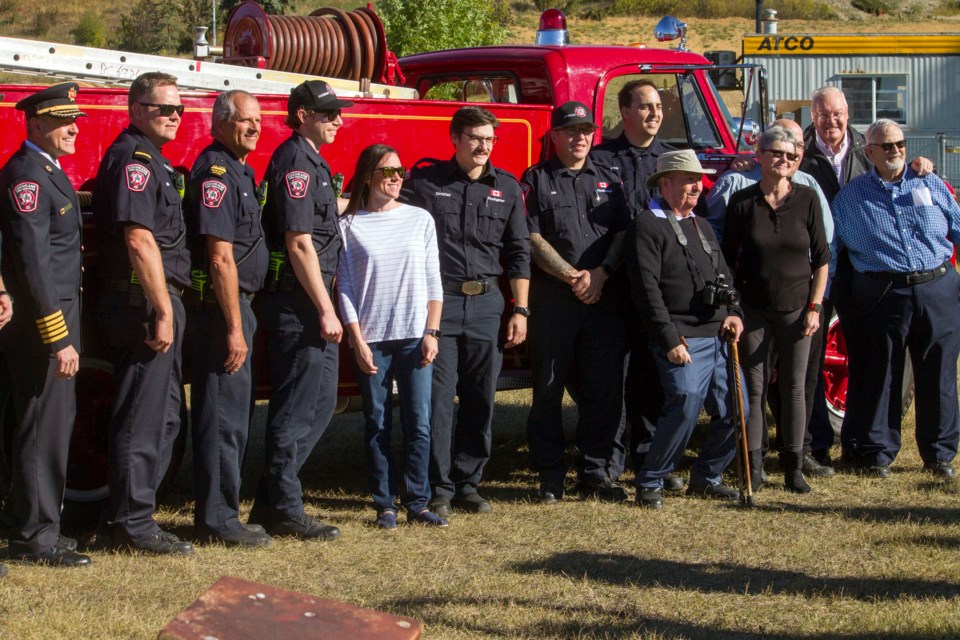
400	360
687	389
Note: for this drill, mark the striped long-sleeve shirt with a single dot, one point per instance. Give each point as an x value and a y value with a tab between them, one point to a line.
389	270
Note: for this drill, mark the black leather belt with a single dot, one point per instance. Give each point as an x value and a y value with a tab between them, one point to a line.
917	277
470	287
125	286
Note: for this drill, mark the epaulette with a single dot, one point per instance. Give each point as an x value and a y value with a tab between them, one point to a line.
217	170
140	152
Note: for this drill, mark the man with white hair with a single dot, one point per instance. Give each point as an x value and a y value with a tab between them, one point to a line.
680	283
895	288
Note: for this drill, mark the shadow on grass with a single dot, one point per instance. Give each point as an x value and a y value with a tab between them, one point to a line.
609	622
923	515
722	577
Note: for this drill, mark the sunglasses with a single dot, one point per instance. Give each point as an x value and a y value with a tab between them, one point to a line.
166	110
389	172
573	132
888	146
776	153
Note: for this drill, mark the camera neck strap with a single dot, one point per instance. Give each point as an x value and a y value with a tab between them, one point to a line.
682	239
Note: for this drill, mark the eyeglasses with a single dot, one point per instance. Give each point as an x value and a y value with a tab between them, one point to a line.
486	141
389	172
776	153
888	146
573	132
837	115
166	110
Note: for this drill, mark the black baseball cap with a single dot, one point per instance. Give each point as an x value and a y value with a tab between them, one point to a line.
571	114
59	101
315	95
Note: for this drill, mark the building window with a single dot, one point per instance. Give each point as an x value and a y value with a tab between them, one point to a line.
871	97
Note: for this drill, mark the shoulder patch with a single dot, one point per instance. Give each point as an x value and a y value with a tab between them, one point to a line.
26	195
297	184
524	190
217	170
137	176
213	191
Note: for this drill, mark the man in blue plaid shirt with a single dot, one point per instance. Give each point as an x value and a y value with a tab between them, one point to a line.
896	289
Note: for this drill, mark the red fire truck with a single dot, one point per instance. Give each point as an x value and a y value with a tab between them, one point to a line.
406	103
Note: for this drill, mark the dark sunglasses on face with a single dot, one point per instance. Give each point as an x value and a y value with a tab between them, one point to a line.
389	172
330	115
776	153
888	146
166	110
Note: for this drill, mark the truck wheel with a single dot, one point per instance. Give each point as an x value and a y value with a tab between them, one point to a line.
87	479
835	377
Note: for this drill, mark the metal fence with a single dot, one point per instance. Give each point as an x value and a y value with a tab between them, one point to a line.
942	149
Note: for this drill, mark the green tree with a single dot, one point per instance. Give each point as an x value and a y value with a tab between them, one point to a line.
414	26
90	31
271	7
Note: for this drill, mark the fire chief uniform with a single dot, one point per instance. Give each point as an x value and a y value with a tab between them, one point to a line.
41	268
222	202
303	366
479	224
135	184
578	214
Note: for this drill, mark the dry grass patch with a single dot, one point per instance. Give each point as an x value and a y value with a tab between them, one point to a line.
858	558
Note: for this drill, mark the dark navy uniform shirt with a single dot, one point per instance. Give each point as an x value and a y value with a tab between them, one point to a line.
137	185
300	198
479	222
576	212
222	202
634	165
41	253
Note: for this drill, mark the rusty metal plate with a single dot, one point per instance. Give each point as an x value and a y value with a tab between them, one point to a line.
234	609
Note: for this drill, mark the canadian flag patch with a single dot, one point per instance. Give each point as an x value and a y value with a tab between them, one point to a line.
496	194
213	191
25	195
603	185
137	177
297	184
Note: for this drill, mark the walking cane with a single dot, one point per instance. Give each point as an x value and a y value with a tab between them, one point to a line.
743	456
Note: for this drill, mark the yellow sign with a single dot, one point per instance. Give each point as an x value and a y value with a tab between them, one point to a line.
865	45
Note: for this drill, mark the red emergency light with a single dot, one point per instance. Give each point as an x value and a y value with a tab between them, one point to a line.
553	28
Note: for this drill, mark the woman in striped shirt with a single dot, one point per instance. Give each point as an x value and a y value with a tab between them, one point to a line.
390	301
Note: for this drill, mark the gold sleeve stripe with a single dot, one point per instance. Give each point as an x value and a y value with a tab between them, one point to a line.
54	328
54	337
46	321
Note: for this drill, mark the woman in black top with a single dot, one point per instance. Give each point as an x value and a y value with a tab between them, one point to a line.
774	241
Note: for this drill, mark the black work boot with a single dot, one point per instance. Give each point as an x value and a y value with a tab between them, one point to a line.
792	463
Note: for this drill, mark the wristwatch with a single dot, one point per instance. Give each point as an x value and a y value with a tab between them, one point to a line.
432	332
815	306
522	311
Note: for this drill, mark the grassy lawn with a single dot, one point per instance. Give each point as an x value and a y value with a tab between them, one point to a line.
858	558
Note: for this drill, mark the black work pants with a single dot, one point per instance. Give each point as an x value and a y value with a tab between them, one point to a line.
567	336
220	416
45	408
146	413
467	366
303	373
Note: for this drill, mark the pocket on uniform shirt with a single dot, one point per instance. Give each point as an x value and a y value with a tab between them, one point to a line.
556	219
492	221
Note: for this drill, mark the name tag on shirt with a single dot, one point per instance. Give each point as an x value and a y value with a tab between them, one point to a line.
921	197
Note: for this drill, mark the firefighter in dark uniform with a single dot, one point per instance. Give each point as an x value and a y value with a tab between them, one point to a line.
144	266
478	210
41	265
230	265
576	213
303	331
6	313
633	154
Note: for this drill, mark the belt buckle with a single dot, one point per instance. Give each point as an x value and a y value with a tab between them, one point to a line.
472	287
